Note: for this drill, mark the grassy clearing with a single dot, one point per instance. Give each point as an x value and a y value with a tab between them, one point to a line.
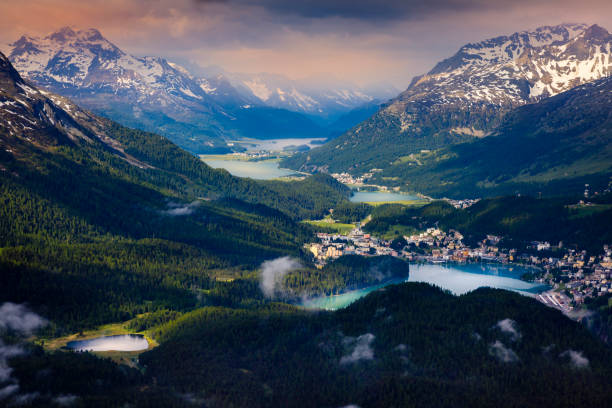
397	230
205	157
335	226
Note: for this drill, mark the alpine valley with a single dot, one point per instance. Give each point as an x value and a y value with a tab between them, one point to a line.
198	113
133	274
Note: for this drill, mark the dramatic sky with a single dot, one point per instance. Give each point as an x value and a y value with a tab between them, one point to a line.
363	41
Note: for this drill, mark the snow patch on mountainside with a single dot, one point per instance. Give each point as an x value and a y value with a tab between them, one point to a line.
83	59
258	89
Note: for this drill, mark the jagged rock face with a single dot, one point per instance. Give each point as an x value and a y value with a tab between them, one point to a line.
83	65
24	110
518	68
9	77
504	72
467	95
86	60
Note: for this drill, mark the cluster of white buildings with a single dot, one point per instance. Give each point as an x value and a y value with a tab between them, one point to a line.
346	178
578	274
461	204
255	155
332	246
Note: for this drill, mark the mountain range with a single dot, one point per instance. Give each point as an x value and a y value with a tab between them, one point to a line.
154	94
38	127
466	97
552	147
107	229
325	98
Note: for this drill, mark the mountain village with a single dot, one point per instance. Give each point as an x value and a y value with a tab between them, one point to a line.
572	275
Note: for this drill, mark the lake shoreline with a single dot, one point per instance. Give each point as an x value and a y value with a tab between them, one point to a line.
503	281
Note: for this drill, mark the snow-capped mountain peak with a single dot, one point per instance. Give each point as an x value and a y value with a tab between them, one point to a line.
515	69
467	95
84	59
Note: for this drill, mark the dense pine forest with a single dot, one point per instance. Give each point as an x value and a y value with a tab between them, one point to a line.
409	345
88	238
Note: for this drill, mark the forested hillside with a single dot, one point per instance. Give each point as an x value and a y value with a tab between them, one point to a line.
519	220
554	147
348	272
90	247
409	345
99	222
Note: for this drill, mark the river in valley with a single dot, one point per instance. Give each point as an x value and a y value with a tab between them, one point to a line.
458	278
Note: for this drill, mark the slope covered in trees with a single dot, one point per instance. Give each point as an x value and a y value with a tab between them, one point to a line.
519	220
554	147
409	345
348	272
99	222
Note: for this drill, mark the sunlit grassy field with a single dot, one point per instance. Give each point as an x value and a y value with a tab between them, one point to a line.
336	226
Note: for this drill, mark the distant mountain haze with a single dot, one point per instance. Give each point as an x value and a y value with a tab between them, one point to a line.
154	94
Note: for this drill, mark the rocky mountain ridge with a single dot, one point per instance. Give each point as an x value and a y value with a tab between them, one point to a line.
467	95
154	94
29	116
322	98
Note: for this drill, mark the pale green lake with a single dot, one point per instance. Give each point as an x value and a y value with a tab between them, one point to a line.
259	170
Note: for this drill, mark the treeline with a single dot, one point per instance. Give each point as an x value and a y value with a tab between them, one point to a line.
348	212
599	320
407	345
86	243
81	380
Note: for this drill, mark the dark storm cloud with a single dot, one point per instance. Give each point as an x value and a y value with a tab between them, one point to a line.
375	10
358	40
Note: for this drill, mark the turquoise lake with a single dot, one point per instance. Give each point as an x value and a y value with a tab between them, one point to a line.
458	278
